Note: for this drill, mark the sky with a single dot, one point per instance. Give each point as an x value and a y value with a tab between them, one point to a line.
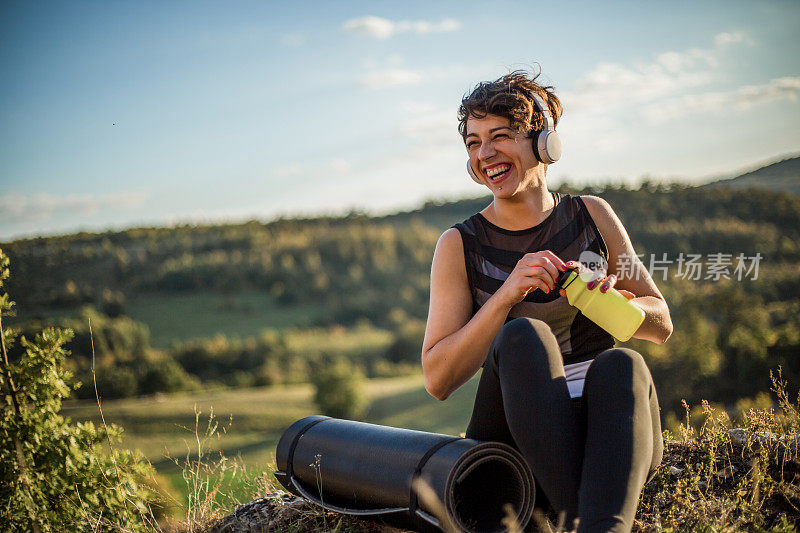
117	114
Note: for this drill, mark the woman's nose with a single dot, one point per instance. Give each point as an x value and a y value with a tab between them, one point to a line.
486	150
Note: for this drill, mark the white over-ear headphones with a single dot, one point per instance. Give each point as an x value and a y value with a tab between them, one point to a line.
546	143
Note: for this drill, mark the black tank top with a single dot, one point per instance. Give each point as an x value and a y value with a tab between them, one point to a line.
491	252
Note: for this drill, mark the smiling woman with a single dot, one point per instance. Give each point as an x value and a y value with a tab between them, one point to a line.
584	414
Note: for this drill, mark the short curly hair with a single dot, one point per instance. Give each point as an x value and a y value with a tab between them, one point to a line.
510	96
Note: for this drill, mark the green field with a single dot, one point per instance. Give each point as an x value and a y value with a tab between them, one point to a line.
182	317
166	429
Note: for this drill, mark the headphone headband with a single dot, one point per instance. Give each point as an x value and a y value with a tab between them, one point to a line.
549	123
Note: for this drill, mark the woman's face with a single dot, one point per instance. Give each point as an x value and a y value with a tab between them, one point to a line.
500	156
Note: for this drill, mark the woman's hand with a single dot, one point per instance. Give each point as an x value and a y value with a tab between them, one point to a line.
537	270
597	277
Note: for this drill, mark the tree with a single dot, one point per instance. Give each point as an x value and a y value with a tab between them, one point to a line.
54	474
339	390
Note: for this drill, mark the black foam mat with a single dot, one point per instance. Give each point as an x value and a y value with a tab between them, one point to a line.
367	470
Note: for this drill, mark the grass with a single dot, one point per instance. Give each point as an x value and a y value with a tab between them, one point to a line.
725	479
182	317
248	424
707	482
718	478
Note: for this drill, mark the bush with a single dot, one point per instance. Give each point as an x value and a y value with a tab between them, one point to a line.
164	375
408	343
339	390
114	383
55	475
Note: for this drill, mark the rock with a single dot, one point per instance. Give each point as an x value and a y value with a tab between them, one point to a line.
793	444
280	511
766	437
738	436
675	471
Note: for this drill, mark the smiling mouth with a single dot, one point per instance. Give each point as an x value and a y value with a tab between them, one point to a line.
498	173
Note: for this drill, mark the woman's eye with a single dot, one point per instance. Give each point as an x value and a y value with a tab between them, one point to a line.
500	136
471	145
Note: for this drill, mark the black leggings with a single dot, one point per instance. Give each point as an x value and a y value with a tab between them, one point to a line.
590	456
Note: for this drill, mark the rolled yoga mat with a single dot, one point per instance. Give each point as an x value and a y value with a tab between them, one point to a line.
367	470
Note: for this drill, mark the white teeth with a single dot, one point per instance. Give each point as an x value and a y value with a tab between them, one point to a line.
496	171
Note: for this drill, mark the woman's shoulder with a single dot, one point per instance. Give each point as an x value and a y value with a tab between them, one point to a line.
448	258
591	200
597	207
450	240
603	215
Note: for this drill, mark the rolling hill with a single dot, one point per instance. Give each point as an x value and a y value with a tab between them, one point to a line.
780	176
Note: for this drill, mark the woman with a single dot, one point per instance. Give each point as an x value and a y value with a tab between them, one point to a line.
584	414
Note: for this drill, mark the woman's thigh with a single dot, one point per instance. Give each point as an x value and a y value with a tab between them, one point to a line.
523	398
623	439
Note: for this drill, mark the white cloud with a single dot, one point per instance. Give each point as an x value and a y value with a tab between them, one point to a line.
432	127
377	27
675	62
389	78
728	38
44	206
381	28
742	98
609	107
613	85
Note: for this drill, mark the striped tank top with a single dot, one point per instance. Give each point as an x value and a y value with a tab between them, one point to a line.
491	252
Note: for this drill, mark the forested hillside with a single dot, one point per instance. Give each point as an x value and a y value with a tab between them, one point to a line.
780	176
263	303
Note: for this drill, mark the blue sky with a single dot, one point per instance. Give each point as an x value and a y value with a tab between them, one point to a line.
115	114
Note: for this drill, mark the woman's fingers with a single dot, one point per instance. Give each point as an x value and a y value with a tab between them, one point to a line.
580	268
546	255
538	272
528	284
597	277
627	294
552	268
557	261
544	262
608	283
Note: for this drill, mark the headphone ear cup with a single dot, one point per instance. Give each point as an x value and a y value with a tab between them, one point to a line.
535	145
472	175
546	146
552	146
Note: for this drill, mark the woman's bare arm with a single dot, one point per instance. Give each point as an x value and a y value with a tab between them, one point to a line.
657	325
456	345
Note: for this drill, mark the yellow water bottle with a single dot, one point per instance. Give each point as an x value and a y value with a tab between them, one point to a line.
610	310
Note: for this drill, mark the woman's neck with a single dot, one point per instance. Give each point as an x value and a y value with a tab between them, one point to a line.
522	211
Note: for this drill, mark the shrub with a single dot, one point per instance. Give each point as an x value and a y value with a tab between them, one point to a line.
408	343
164	375
56	475
339	390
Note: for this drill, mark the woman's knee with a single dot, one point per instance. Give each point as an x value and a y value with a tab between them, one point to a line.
525	337
619	365
521	332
